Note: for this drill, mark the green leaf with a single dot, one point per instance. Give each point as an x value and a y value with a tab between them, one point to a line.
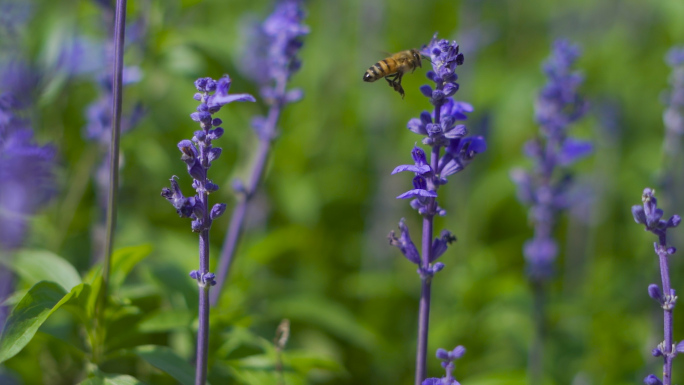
124	260
37	305
112	379
42	265
167	321
167	361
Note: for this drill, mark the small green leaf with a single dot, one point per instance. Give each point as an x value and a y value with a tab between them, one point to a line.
112	379
37	305
167	361
124	260
42	265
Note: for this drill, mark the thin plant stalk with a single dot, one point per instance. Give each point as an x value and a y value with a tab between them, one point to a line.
237	220
272	58
119	34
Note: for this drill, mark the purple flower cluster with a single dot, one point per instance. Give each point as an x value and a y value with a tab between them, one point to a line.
448	358
546	189
649	215
272	58
441	129
198	153
26	169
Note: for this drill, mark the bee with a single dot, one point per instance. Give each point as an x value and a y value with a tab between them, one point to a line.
393	68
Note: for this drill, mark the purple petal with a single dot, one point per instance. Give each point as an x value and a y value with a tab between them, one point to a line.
415	193
572	150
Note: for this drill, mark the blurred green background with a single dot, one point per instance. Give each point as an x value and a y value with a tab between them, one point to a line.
315	248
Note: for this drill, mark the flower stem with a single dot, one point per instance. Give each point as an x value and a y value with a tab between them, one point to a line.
535	363
667	314
238	219
119	33
203	328
426	281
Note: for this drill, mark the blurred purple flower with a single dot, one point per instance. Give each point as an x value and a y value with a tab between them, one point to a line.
673	116
272	48
26	171
548	189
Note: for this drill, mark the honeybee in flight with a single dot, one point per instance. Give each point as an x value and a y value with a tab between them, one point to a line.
393	68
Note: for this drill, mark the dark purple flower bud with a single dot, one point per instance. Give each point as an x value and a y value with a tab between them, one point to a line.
436	268
458	352
442	354
654	292
426	90
216	122
450	89
209	279
200	84
215	133
674	221
211	187
217	210
437	96
197	96
197	225
671	250
656	352
405	244
195	274
652	380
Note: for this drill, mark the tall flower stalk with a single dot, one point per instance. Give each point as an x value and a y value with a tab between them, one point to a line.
649	215
547	188
198	154
441	131
271	60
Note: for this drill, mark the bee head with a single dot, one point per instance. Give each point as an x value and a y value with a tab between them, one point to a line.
417	56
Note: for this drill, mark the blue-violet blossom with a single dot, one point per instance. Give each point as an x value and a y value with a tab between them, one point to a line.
649	215
441	130
546	189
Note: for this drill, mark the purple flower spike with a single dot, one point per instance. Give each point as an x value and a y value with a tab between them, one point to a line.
198	154
405	244
650	216
547	189
442	130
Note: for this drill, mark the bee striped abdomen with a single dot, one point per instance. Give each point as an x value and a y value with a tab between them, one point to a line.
380	69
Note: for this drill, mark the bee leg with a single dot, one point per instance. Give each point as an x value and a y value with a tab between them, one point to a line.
397	84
